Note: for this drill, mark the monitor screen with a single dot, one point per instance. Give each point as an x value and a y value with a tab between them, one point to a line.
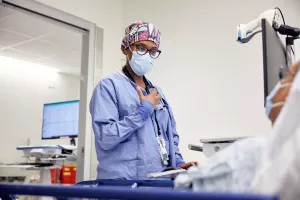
60	120
274	57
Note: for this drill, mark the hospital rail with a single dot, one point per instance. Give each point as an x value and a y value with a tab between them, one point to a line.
8	191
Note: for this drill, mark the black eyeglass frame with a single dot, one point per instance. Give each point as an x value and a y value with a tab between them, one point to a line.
148	50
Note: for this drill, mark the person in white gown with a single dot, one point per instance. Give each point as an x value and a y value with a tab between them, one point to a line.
263	164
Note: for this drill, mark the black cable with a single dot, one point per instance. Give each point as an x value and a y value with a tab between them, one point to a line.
157	125
292	50
125	71
284	24
281	14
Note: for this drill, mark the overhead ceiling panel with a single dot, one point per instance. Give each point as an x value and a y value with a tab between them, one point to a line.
34	39
27	25
41	48
5	12
8	38
12	53
65	36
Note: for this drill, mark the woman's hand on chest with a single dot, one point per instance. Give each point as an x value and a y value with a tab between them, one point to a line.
153	97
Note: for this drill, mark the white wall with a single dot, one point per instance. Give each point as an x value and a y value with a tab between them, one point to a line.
23	92
214	84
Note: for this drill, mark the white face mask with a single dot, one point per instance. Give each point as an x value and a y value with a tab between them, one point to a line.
269	102
141	64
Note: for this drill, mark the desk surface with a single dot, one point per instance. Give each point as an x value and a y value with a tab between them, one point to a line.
19	166
221	140
67	147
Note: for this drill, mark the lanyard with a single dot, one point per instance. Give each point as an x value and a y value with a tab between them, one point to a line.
148	85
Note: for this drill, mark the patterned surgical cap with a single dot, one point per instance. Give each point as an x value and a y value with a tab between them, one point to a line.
140	31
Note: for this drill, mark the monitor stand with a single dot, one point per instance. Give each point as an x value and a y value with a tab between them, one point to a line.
72	141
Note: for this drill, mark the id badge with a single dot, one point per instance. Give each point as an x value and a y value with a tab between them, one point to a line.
162	150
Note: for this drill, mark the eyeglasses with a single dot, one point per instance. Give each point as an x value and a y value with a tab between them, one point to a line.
142	50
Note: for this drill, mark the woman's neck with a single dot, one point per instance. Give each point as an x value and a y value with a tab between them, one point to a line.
139	80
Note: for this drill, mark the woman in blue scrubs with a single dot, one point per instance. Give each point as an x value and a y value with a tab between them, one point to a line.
135	130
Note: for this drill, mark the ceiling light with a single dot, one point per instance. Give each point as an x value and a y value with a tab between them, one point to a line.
12	62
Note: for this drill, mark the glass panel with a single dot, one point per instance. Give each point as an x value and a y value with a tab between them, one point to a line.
39	69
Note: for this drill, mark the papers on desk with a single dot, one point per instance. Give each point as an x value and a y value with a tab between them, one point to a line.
171	173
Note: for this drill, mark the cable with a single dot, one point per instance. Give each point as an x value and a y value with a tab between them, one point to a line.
281	14
284	24
293	51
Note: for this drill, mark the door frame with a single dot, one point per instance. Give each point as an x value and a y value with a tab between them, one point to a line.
89	46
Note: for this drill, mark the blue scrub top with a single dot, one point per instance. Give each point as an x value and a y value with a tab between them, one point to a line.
125	130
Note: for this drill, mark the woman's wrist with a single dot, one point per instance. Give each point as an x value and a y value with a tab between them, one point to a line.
146	109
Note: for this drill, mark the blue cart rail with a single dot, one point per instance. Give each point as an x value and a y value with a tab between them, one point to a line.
132	183
118	192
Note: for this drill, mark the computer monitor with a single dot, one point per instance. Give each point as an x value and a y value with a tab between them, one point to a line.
60	120
274	57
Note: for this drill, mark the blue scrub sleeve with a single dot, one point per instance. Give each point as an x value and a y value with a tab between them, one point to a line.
108	128
146	109
179	159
